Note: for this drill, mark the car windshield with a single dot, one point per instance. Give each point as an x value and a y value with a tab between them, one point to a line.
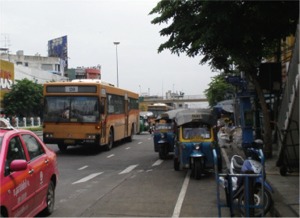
196	130
71	109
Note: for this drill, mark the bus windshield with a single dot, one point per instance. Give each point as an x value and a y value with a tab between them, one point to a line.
71	109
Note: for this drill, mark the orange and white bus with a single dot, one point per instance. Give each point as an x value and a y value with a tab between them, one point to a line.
159	108
88	112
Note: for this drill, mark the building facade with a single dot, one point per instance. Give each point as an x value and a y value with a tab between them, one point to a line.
35	68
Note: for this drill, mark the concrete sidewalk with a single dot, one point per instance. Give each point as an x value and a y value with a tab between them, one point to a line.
286	188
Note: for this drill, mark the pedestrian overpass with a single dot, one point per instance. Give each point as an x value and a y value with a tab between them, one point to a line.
175	99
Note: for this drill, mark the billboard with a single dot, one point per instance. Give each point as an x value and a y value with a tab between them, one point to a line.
7	77
59	48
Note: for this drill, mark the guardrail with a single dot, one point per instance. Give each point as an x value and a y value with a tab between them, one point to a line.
24	122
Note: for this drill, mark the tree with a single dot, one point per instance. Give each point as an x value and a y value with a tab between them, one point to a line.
25	99
219	90
226	33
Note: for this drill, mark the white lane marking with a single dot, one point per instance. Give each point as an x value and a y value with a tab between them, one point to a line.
127	148
87	178
128	169
181	196
140	143
82	168
157	163
109	156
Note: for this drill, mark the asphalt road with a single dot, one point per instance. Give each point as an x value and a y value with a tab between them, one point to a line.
129	181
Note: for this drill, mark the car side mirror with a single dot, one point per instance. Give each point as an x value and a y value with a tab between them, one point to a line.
18	165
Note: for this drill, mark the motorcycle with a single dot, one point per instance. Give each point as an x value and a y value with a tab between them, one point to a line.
152	128
262	198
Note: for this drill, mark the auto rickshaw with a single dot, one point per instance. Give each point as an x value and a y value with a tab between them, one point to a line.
164	133
144	121
196	139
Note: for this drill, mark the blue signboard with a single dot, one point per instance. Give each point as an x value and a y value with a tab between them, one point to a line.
59	48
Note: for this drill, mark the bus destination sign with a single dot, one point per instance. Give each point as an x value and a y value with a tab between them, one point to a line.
71	89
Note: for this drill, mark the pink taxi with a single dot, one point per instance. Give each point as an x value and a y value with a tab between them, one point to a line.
28	174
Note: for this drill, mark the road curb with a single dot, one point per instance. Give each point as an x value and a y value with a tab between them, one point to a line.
280	209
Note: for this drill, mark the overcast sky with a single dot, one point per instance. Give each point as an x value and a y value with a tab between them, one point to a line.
91	27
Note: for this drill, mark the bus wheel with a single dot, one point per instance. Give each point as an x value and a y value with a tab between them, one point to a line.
110	143
197	168
62	147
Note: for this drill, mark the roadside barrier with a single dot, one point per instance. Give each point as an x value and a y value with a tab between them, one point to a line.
24	122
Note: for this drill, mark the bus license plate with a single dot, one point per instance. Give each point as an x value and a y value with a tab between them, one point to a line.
69	141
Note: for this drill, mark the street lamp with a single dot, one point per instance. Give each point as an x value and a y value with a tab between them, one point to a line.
117	43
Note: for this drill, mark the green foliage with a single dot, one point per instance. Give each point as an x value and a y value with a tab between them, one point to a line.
226	32
228	35
25	99
219	90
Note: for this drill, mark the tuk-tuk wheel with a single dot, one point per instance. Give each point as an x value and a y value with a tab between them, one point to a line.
197	168
176	164
163	153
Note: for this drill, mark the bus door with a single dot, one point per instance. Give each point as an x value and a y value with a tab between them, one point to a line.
126	115
103	119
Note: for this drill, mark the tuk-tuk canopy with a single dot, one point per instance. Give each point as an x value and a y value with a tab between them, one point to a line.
146	114
194	115
171	113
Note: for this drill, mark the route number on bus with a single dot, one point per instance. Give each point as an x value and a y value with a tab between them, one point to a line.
71	89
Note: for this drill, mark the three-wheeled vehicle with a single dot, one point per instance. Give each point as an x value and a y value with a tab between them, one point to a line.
196	139
164	136
144	121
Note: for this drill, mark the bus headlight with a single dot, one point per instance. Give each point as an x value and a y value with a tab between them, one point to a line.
48	135
91	136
